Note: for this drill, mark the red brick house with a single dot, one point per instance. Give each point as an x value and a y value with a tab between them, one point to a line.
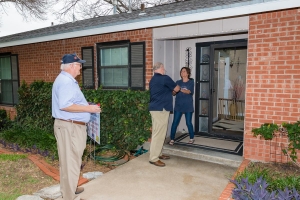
244	56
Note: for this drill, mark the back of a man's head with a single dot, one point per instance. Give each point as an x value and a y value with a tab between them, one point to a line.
157	66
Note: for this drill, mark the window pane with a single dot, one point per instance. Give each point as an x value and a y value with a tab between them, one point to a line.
5	70
105	57
124	55
6	92
114	56
117	77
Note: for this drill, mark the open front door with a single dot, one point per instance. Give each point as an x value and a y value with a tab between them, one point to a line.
220	89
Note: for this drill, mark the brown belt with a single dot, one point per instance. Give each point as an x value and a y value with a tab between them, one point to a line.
72	121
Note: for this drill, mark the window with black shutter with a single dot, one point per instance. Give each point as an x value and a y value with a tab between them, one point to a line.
88	79
121	65
9	79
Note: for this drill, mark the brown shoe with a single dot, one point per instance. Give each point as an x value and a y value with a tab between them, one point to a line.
158	163
79	190
164	157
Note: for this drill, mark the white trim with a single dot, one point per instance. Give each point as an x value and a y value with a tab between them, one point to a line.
208	15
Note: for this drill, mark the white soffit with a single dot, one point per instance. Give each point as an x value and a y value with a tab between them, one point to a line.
208	15
214	27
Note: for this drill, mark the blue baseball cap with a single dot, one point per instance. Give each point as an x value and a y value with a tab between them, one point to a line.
70	58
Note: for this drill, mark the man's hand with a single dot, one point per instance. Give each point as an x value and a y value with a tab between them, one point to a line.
94	109
177	88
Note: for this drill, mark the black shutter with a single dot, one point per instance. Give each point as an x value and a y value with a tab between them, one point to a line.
137	66
88	79
15	78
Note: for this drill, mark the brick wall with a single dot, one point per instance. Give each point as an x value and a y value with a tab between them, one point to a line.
41	61
273	76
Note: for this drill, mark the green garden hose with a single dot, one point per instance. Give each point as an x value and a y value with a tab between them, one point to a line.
117	156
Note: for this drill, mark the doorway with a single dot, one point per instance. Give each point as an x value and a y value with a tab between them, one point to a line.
220	88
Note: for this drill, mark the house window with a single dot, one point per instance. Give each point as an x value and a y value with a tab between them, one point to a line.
9	79
114	66
121	65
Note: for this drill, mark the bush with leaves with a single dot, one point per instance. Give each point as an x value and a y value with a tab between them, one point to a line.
291	130
29	139
5	122
125	118
34	108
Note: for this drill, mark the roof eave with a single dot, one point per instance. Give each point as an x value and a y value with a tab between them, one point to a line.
199	16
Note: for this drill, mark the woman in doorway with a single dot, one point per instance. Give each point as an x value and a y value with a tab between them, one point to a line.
184	104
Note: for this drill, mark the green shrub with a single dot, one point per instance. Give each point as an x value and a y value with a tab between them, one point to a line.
125	119
34	108
5	122
30	139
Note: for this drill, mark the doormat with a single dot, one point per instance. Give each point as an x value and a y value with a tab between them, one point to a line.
212	143
229	125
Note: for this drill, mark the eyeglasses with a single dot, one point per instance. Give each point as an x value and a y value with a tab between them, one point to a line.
78	64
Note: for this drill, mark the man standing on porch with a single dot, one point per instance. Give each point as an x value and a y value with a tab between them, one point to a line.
161	103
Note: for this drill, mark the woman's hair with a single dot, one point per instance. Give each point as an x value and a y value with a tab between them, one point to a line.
188	71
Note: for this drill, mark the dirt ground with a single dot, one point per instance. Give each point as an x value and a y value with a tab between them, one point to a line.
285	169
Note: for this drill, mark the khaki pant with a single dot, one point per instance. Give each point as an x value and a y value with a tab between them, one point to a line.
159	130
71	142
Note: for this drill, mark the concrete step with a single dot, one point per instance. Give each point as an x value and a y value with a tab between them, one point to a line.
203	154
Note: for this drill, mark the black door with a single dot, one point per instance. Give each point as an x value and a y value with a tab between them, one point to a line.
220	88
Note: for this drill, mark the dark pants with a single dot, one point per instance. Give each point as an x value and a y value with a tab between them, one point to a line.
188	120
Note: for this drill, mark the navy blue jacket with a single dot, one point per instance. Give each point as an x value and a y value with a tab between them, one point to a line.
161	87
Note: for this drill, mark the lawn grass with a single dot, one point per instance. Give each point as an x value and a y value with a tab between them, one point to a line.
19	176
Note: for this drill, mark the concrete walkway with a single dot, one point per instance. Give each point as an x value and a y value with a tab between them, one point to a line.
181	179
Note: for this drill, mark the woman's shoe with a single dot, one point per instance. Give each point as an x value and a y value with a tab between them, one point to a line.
191	141
171	142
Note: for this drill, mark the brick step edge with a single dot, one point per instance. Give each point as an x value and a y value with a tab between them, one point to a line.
226	194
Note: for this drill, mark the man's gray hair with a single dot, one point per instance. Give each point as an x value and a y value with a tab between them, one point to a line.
64	66
157	66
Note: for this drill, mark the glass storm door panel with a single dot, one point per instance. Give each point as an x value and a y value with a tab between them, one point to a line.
228	99
203	89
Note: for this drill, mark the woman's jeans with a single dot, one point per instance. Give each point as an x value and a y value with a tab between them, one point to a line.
188	120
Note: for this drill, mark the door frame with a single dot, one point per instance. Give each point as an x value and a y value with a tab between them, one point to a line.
212	46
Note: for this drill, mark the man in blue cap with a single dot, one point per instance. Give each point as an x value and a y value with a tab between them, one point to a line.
71	112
